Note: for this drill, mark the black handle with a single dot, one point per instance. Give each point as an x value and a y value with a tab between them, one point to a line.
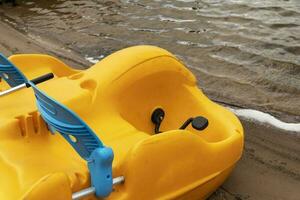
41	79
199	123
186	123
157	117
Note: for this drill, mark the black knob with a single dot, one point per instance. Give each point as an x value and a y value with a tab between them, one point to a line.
199	123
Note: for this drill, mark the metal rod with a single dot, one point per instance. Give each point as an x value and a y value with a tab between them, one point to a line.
37	80
83	193
91	190
12	89
118	180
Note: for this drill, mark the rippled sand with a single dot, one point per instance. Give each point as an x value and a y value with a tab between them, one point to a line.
243	52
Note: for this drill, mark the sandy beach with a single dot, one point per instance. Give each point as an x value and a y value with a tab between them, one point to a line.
270	166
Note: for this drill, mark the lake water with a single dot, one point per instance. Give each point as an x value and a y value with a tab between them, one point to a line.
243	52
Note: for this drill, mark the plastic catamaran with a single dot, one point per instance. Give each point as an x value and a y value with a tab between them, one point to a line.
133	126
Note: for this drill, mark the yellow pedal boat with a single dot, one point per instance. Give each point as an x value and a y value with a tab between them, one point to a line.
117	98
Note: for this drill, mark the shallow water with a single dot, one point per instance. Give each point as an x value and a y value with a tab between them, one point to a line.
243	52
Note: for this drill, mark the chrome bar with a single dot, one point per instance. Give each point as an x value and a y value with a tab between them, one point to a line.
36	81
83	193
118	180
12	89
91	190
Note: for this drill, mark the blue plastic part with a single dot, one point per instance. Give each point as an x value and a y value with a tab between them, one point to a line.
100	166
10	73
59	118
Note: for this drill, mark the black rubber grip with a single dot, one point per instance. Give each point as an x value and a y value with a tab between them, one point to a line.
41	79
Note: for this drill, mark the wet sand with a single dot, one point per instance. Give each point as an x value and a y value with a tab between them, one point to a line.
14	42
269	168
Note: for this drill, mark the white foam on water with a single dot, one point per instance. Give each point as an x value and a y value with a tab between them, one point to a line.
177	8
188	43
93	60
176	20
186	1
262	117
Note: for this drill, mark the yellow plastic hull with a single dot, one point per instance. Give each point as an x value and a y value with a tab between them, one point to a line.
116	97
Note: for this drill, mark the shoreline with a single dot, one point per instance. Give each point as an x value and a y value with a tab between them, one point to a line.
12	41
269	167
